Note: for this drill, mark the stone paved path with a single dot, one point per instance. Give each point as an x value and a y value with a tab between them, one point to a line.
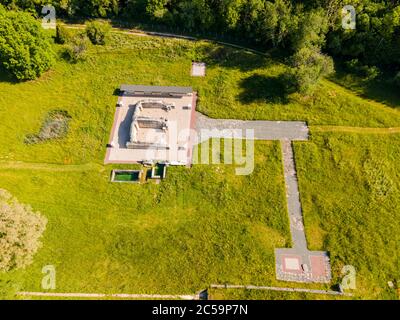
292	264
298	264
293	197
263	130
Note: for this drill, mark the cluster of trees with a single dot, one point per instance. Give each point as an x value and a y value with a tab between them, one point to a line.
25	50
76	44
270	22
286	24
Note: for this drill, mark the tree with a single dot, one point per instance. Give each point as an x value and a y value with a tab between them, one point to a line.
194	14
275	23
312	28
396	79
97	32
309	65
157	9
20	232
249	16
134	9
25	50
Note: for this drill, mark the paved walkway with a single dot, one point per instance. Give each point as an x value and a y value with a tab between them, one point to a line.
298	264
293	197
292	264
263	130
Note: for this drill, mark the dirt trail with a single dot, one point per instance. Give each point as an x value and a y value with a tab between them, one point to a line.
20	165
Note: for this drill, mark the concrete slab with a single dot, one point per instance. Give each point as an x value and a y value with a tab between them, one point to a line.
263	130
291	263
296	265
198	69
178	137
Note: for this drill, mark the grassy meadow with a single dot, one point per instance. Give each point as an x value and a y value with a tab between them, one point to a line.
350	191
199	226
205	224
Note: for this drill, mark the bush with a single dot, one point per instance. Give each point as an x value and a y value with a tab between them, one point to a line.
25	51
97	32
20	231
55	126
76	48
309	65
366	72
63	35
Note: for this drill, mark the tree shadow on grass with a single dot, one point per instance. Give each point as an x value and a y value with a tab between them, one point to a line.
5	76
232	58
379	89
382	92
261	88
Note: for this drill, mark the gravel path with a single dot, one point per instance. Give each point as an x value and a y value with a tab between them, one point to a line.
305	265
263	130
293	197
296	264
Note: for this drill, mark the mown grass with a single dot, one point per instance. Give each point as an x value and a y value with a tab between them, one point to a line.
203	225
350	193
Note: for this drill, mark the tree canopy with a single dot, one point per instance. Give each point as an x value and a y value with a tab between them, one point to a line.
309	65
20	231
24	47
287	24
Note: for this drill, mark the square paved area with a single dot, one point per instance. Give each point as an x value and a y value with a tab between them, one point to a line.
302	265
198	69
178	136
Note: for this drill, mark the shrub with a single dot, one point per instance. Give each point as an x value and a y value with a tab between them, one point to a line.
364	71
97	32
309	65
63	35
20	231
24	47
55	126
76	48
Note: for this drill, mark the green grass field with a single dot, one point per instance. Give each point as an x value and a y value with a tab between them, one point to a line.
350	194
199	226
205	224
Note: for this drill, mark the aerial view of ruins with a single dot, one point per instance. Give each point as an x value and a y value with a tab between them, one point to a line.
195	150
